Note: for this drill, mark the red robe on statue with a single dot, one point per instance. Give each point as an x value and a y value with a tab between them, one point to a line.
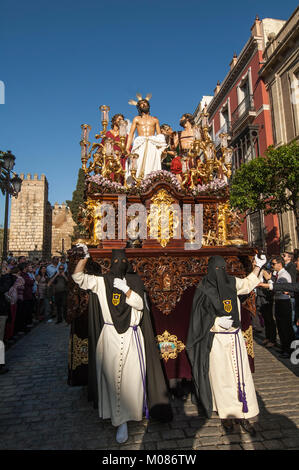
116	138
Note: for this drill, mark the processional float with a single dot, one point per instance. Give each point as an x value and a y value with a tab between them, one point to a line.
169	228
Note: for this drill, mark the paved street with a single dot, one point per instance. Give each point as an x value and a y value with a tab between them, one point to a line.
38	410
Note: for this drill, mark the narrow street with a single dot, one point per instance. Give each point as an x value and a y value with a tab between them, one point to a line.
39	411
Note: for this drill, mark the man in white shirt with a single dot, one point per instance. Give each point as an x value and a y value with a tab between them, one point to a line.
283	308
53	267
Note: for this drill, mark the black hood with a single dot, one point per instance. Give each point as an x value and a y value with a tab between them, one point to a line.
221	289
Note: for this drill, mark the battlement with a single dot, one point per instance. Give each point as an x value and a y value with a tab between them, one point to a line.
28	177
34	184
61	207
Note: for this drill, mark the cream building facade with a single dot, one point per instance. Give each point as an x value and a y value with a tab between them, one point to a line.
280	72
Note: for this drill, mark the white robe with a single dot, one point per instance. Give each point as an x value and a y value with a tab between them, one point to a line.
226	361
149	150
120	386
2	353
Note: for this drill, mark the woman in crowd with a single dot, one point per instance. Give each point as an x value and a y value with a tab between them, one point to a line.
42	280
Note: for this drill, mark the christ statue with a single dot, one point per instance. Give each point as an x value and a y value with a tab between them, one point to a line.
150	143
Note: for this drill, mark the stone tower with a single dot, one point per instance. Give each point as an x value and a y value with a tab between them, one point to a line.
30	219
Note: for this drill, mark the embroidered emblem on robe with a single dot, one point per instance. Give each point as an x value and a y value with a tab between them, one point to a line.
227	305
115	299
169	346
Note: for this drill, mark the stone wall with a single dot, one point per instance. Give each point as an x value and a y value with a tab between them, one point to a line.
38	230
29	226
62	228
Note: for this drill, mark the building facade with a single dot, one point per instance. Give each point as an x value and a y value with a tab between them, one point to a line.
38	230
241	107
62	229
280	73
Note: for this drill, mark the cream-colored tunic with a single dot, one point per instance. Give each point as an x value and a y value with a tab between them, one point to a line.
228	358
120	386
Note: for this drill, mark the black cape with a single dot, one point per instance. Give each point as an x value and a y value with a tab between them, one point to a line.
210	300
157	393
198	347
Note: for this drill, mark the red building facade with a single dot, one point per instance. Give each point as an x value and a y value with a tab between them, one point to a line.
241	107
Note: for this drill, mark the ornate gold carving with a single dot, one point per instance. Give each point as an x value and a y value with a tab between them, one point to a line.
222	229
229	232
161	210
248	337
166	278
78	351
210	225
169	346
235	235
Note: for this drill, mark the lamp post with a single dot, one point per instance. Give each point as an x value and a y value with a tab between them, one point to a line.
10	186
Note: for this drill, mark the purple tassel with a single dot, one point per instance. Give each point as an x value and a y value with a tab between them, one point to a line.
240	394
245	407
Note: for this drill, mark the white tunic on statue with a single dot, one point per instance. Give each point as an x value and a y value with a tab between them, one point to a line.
149	150
227	361
120	386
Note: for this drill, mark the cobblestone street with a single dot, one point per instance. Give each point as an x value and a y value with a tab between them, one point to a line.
39	411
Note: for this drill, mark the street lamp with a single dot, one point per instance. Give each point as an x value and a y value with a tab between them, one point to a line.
10	187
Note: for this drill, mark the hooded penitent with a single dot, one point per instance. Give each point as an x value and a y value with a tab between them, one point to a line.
221	289
157	395
119	309
215	295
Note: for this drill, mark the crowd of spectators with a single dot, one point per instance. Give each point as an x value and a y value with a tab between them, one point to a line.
277	302
30	292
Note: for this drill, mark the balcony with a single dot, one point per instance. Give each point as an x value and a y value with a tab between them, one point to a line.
244	114
225	129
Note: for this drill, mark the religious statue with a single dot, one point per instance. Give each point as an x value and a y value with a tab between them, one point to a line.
183	141
169	152
114	134
150	143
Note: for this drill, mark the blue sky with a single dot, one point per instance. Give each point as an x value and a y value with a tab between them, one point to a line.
61	60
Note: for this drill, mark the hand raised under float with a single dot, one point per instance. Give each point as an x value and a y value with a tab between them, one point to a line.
121	284
260	262
225	322
84	248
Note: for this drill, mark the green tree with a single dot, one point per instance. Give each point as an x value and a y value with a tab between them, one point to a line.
78	197
269	183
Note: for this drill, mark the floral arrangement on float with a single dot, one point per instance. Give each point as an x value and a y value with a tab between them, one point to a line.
160	176
99	183
216	187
